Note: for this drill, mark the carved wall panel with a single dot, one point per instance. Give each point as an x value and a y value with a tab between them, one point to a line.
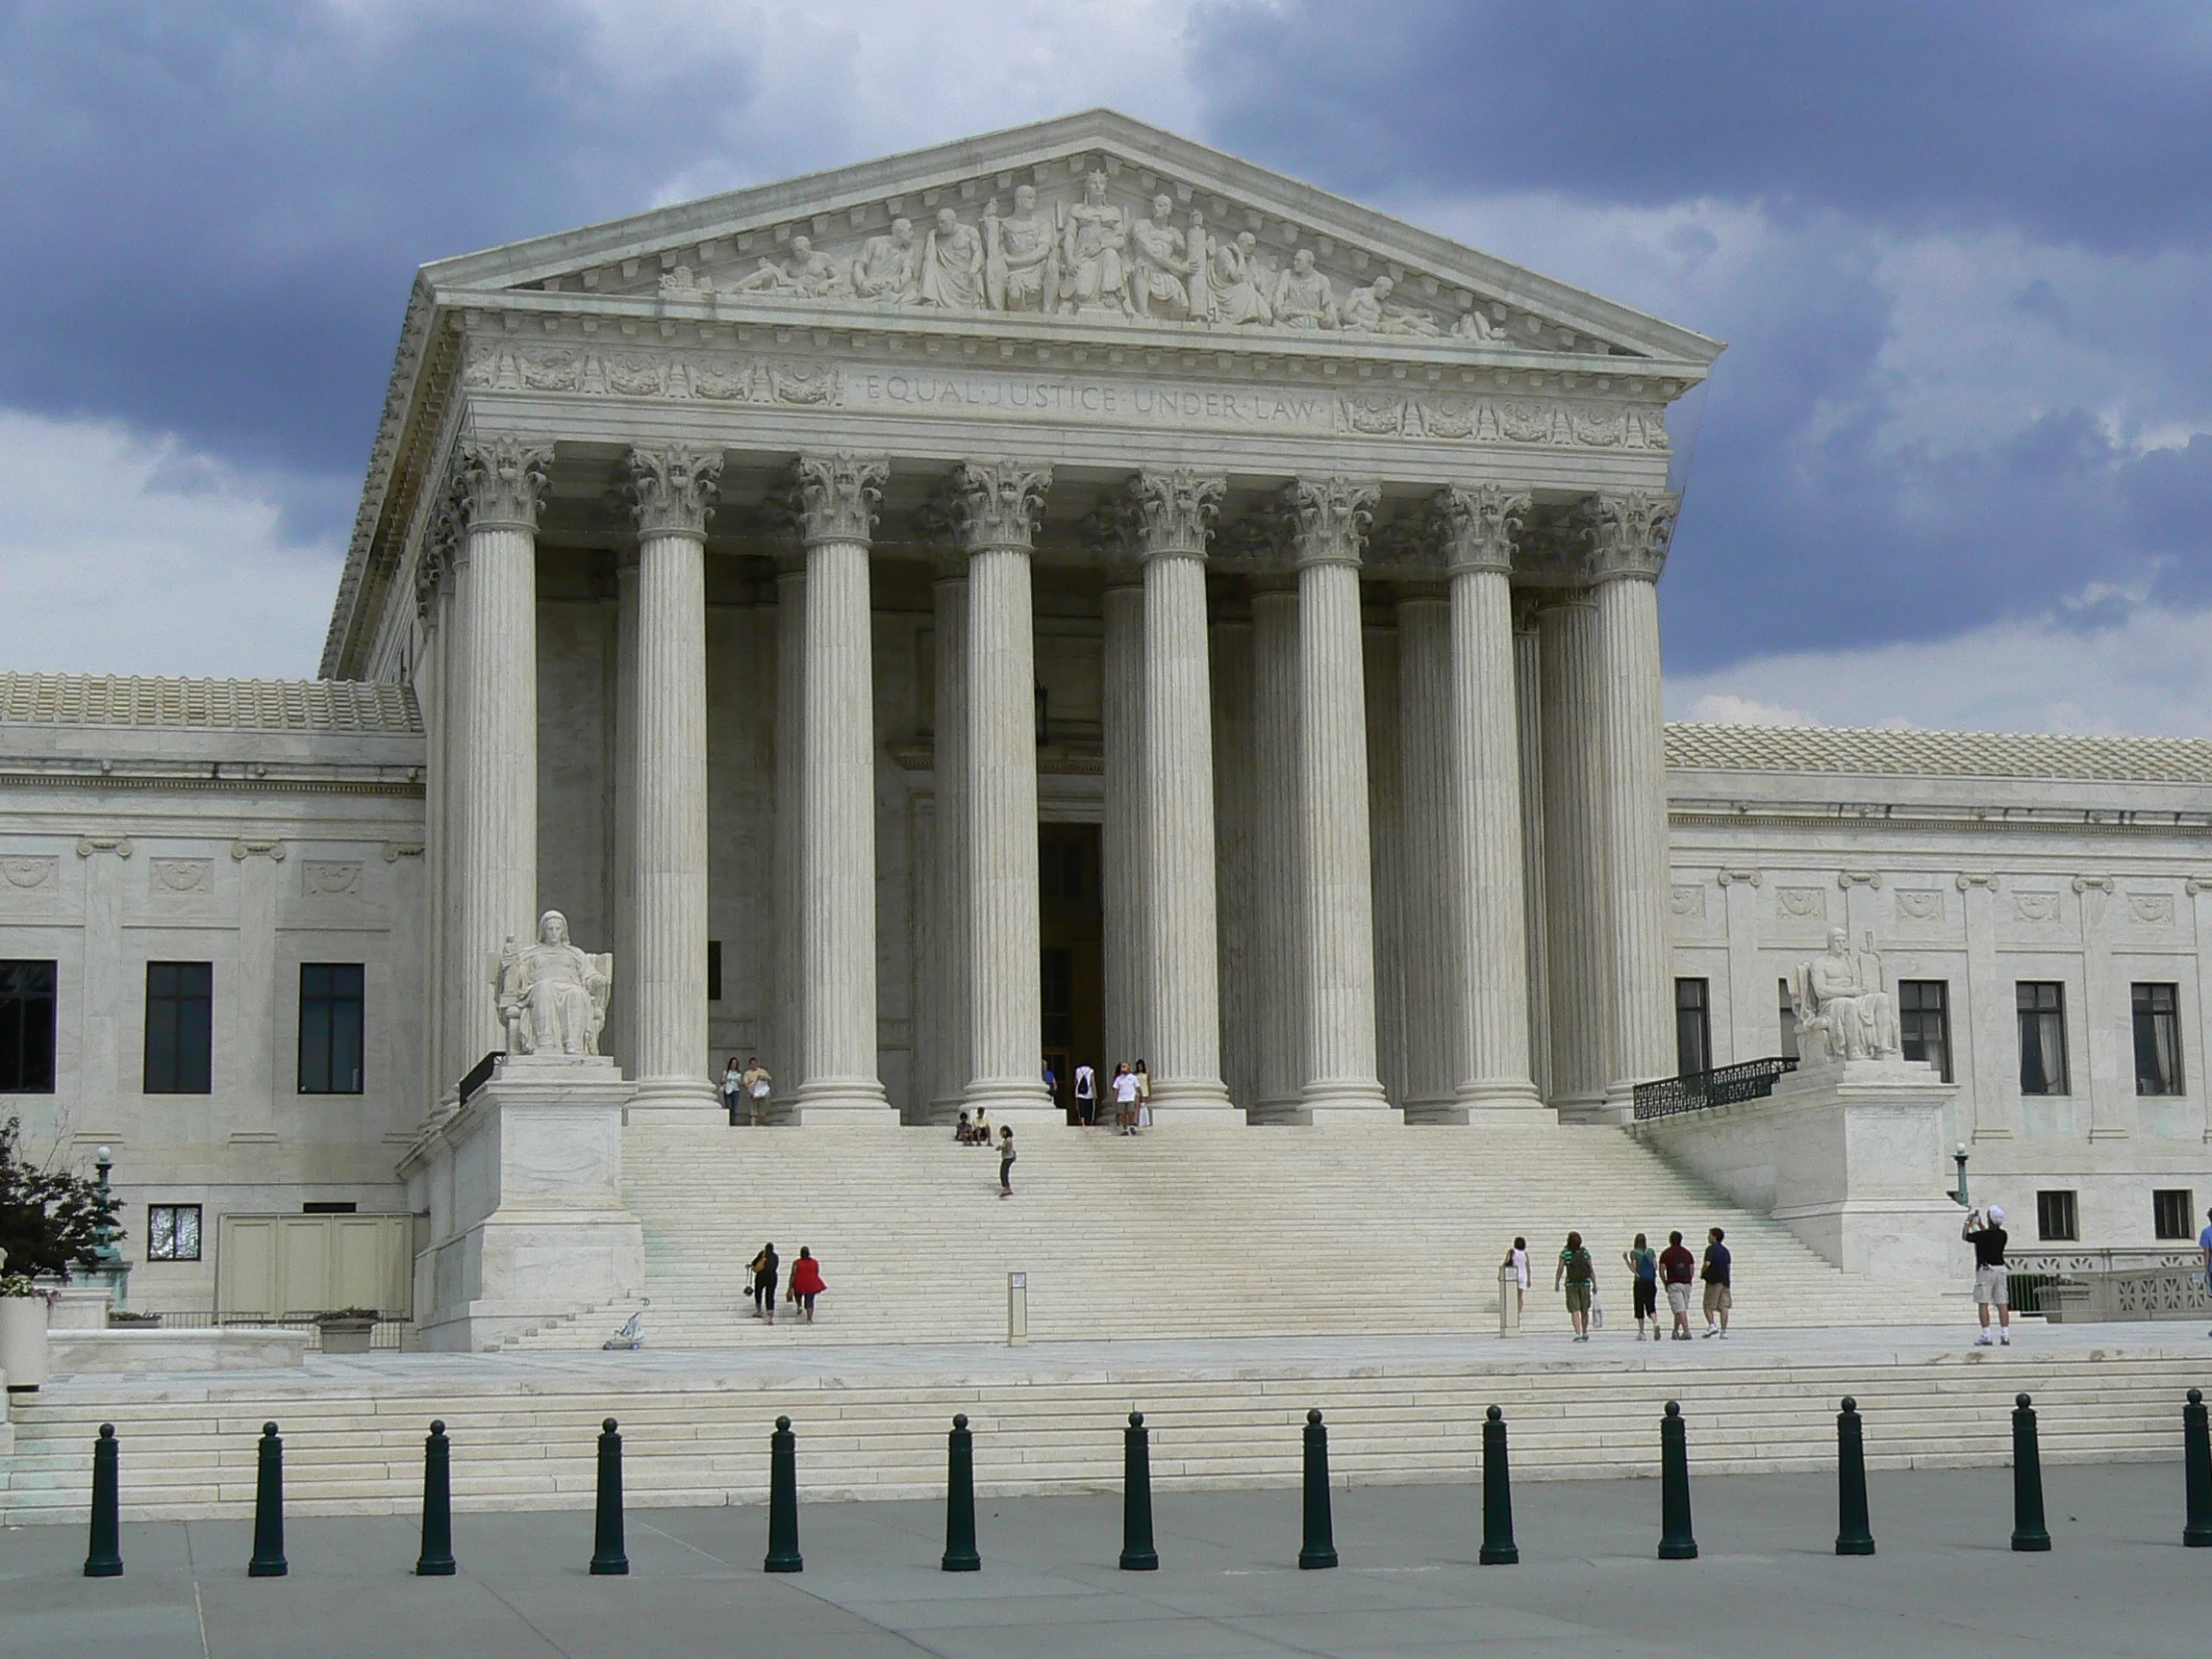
2151	909
323	878
1800	904
30	874
2035	907
1920	904
179	875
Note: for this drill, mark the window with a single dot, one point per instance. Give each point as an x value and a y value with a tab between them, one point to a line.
1693	1027
329	1028
2042	1005
714	970
1789	1020
1923	1023
2055	1217
26	1027
328	1207
173	1231
2173	1213
179	1017
2157	1040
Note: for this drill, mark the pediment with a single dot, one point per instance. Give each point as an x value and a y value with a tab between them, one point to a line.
1094	220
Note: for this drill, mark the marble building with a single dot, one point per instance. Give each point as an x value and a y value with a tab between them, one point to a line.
1068	594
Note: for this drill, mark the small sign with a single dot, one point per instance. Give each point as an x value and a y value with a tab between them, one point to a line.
1017	1282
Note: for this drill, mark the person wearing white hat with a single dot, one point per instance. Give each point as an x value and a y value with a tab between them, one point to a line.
1992	1277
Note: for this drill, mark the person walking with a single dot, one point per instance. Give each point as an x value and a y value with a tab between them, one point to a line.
764	1284
1518	1258
759	1085
806	1283
1679	1269
1718	1274
1086	1095
2204	1243
1006	1160
1143	1119
1993	1280
1643	1276
1125	1099
733	1088
1579	1274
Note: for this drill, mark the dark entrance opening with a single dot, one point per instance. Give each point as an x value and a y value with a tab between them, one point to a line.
1074	966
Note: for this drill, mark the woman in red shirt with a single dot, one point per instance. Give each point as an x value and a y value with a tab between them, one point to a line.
806	1283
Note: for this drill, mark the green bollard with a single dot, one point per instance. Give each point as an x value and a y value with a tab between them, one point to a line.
104	1557
2028	1531
2196	1468
1852	1535
1498	1548
782	1500
436	1559
1320	1533
1676	1542
959	1499
608	1559
1137	1553
269	1508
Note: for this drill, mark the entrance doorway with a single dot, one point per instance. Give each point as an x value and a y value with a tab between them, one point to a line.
1072	913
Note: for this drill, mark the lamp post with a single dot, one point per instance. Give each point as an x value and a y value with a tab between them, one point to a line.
110	1265
1959	1158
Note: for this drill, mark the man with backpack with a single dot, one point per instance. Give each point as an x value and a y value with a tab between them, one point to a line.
1579	1274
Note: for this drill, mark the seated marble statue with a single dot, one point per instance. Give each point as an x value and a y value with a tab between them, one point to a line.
1302	296
1476	324
807	275
1843	1013
552	997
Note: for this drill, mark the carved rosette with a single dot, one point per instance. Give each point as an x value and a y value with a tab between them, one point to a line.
1172	513
832	498
1324	520
998	505
1628	535
1476	528
500	483
672	489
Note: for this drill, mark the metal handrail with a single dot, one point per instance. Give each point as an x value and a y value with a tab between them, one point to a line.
1722	1086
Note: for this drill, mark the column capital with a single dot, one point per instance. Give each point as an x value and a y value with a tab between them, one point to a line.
994	506
671	489
499	481
1628	535
1324	520
1173	511
1476	527
834	497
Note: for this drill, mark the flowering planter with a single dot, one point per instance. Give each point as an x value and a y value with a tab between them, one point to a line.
23	1341
346	1336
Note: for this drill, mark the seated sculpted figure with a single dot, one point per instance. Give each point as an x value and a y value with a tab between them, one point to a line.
1302	296
552	997
889	265
1369	311
1841	1005
807	275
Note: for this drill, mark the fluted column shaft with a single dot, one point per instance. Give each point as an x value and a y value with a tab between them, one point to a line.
1122	882
954	953
1529	704
622	1012
787	1055
1434	975
1279	963
1575	883
834	500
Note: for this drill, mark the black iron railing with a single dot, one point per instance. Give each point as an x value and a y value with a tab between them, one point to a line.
1724	1086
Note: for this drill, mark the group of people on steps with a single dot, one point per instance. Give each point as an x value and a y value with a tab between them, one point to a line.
1673	1268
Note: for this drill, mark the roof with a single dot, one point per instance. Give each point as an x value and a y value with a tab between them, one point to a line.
122	700
1864	750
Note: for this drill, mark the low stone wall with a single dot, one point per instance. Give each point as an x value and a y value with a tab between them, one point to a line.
155	1352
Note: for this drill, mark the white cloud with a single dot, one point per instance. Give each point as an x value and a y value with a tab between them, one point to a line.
125	554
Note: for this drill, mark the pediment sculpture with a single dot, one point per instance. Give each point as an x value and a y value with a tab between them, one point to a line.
552	996
1843	1012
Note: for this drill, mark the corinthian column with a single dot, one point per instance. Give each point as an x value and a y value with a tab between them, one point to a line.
952	958
1173	515
1328	521
1123	890
1491	1023
501	483
673	492
1430	993
1278	960
834	499
995	509
1578	953
1629	535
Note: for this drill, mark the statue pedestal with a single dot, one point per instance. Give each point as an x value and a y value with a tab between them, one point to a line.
1847	1156
523	1186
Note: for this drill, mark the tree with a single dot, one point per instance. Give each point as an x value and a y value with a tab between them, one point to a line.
50	1220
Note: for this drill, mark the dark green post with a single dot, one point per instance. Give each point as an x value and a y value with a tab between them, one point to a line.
782	1500
608	1559
1676	1541
1498	1548
2196	1466
436	1559
1321	1532
104	1558
1137	1553
1852	1535
2028	1531
959	1499
269	1508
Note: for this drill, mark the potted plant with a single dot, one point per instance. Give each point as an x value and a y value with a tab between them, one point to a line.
50	1222
347	1329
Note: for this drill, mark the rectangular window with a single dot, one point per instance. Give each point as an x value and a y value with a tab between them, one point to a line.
2157	1039
2056	1218
2043	1006
27	1027
1923	1023
1693	1027
1788	1051
173	1231
180	1024
329	1028
2173	1213
714	970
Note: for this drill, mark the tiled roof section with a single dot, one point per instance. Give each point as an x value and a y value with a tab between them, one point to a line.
1841	749
208	705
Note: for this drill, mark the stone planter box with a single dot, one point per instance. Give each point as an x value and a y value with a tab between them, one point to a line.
346	1336
23	1353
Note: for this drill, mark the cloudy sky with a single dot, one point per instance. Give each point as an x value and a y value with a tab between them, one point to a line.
1956	468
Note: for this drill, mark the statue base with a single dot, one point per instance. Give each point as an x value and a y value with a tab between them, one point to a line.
523	1188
